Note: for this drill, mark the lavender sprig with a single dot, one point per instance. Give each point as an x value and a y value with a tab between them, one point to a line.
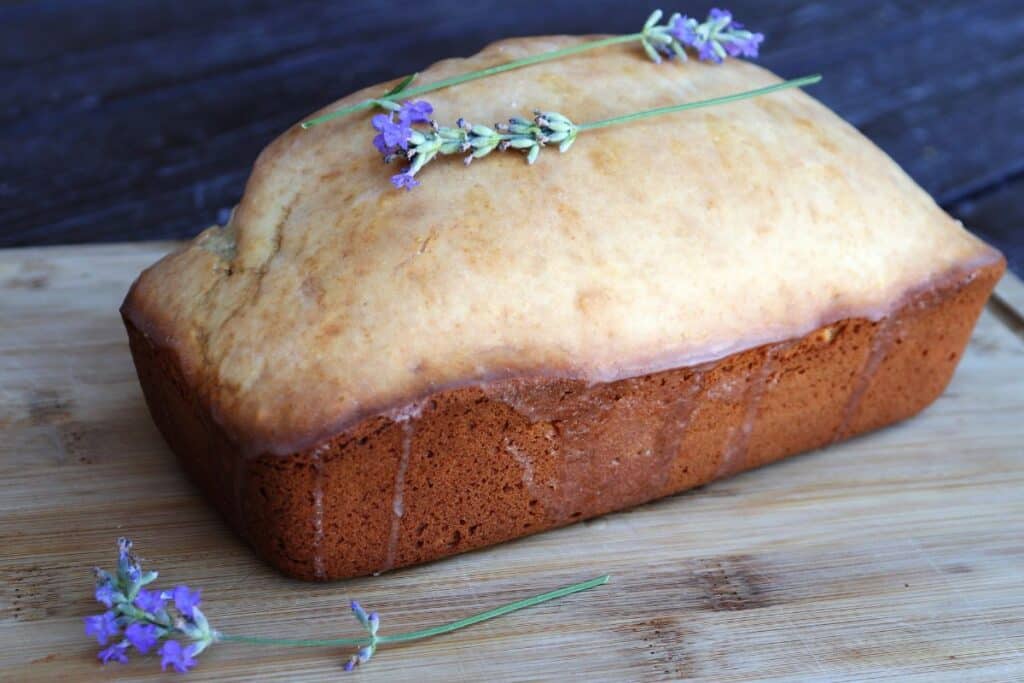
420	147
714	39
717	37
476	141
142	619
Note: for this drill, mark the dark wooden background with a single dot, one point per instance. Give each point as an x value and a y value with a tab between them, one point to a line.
139	119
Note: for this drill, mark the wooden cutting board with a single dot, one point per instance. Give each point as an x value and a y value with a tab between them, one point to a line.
898	555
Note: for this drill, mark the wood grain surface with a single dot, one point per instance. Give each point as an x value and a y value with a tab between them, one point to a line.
896	556
140	120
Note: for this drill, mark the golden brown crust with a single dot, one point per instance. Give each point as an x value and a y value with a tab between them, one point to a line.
332	296
484	464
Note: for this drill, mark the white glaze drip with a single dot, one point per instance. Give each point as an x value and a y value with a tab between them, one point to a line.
736	450
525	463
398	503
404	413
881	340
521	398
318	515
673	432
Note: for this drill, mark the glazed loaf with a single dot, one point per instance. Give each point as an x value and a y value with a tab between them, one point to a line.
362	378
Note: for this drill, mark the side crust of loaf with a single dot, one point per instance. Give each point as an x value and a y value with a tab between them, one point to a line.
470	467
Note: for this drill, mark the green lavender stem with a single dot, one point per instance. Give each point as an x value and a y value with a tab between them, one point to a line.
530	137
427	632
726	99
400	93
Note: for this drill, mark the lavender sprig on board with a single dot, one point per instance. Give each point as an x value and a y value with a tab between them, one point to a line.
141	619
371	624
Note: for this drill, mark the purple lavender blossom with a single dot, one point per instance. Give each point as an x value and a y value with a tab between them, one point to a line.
105	594
142	636
730	35
186	600
114	653
415	112
392	135
722	15
706	51
103	626
174	655
127	563
681	28
717	37
371	623
145	617
749	47
150	601
408	181
361	657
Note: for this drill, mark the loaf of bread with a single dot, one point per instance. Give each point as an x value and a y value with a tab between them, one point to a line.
362	378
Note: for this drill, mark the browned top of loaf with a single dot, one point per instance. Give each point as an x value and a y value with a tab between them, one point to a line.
332	296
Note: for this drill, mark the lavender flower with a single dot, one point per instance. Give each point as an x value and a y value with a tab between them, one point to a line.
105	594
142	636
706	52
415	112
127	565
186	600
726	38
391	135
174	655
717	37
114	653
360	613
145	616
371	623
182	631
102	626
683	29
476	141
404	179
720	36
150	601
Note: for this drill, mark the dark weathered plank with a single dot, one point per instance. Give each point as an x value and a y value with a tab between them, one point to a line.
140	120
